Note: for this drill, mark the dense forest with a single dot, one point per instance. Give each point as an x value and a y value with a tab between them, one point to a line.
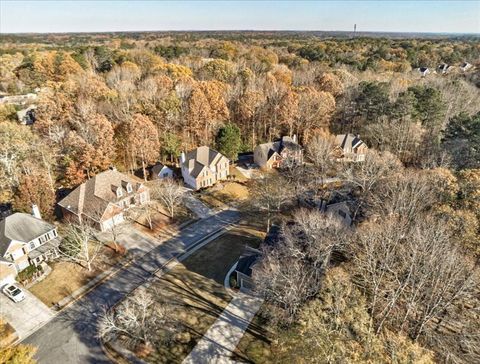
132	99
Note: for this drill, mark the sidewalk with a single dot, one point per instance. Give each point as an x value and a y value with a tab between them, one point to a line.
223	336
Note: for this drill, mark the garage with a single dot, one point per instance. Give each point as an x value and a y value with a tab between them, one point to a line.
7	273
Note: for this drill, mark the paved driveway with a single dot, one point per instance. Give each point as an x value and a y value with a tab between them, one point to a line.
25	316
71	337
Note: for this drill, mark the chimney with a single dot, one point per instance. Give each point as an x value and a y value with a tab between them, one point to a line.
294	138
182	158
36	211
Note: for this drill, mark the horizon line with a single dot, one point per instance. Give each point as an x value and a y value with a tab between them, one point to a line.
240	30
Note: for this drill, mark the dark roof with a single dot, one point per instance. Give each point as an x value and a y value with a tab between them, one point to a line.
348	140
273	236
21	227
157	168
247	260
278	146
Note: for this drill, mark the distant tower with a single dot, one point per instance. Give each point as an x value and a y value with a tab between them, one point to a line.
354	30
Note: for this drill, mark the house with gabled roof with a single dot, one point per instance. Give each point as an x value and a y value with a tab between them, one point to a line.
465	66
161	171
25	240
275	154
102	200
203	167
350	148
423	71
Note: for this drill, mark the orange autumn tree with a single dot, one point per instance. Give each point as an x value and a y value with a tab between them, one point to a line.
138	140
35	189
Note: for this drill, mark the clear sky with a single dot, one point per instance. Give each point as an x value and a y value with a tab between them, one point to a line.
86	16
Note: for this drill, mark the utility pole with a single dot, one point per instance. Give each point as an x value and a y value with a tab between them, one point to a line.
354	30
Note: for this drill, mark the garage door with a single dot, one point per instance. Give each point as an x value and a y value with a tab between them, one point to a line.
7	274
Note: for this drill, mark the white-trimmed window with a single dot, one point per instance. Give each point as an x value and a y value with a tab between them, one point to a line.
129	188
119	192
31	245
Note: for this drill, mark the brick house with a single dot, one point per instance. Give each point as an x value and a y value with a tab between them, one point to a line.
102	199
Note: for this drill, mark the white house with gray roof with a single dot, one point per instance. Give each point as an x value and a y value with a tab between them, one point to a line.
203	167
25	240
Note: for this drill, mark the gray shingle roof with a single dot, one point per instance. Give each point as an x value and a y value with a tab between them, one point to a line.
348	140
278	146
197	159
21	227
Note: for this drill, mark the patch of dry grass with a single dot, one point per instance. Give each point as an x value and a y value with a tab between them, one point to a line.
66	277
195	290
254	347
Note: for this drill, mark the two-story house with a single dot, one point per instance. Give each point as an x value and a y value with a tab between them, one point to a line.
102	199
350	148
203	167
274	154
25	240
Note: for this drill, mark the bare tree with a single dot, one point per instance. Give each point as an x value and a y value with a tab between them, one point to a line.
290	272
412	273
270	194
80	246
139	318
320	152
170	194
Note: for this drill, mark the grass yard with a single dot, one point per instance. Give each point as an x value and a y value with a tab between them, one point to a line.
66	277
254	347
160	220
239	177
194	289
224	194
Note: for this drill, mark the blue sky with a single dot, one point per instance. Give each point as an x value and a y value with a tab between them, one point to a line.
84	16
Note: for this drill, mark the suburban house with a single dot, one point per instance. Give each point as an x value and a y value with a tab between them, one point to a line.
341	211
465	66
203	167
160	171
25	240
274	154
245	267
443	68
350	147
102	199
423	71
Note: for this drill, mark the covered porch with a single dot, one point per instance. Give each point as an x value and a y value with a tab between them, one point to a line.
44	253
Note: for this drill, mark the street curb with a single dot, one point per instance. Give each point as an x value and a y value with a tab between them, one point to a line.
104	276
127	354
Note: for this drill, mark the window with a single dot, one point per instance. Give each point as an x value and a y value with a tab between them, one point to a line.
31	245
55	233
129	188
119	192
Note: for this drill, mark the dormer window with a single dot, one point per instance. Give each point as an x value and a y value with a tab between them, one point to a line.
128	186
117	190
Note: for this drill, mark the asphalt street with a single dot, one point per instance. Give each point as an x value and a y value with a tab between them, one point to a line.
71	337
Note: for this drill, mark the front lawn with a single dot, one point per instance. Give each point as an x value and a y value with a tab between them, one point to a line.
195	291
66	277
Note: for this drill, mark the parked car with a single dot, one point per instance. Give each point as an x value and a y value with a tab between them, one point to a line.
14	293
